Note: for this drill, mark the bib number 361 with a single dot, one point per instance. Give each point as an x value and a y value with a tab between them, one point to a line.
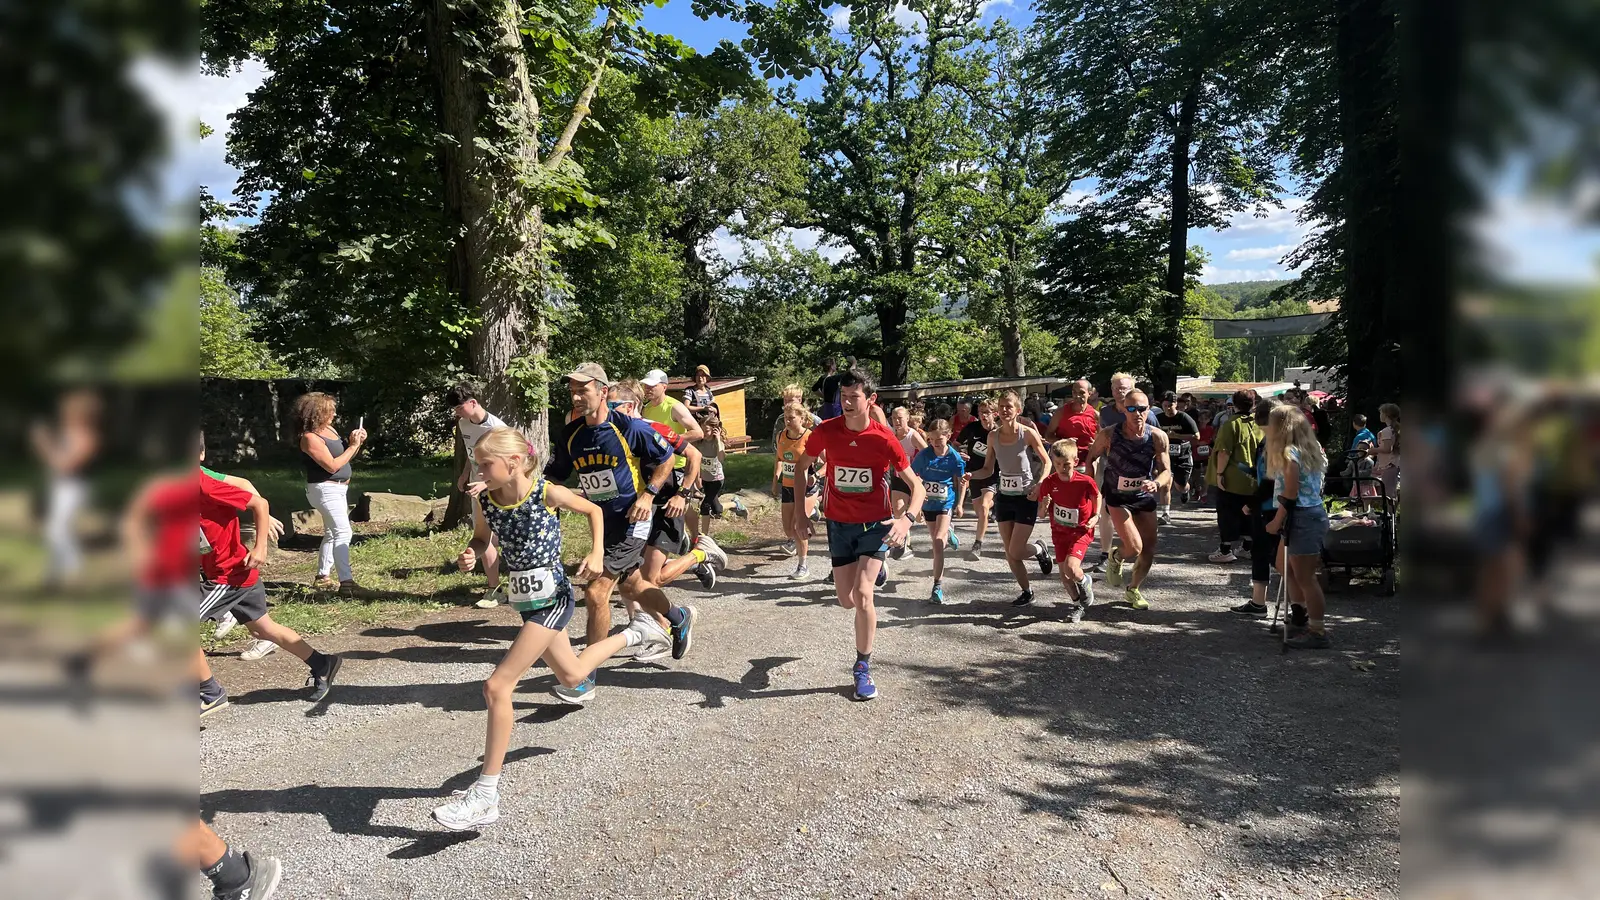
1065	516
850	480
532	589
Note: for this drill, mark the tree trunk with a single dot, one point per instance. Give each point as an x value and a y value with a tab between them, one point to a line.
896	362
1169	349
1015	362
460	508
699	317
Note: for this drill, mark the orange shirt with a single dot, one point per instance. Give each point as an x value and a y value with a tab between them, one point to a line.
790	450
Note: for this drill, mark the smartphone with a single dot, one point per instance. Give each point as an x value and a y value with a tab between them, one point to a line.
361	423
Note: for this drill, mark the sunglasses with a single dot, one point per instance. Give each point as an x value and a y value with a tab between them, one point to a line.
1138	409
615	405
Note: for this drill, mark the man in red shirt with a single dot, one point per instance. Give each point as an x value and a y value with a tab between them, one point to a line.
1070	499
963	417
1077	420
860	454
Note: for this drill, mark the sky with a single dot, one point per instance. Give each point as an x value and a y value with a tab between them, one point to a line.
1528	240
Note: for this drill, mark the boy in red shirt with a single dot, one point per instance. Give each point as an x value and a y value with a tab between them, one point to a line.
1071	501
860	454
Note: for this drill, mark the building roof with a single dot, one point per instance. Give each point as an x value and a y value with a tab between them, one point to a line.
718	385
1205	387
1041	383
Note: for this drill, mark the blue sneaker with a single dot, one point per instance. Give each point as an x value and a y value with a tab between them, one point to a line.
683	635
865	689
937	597
579	695
954	543
883	575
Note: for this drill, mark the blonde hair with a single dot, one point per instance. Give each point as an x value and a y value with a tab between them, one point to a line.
791	393
1066	449
1289	429
505	442
628	391
797	411
311	412
940	426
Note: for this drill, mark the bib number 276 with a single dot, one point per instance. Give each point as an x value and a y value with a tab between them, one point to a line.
848	480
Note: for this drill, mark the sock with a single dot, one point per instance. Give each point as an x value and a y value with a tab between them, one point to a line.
1226	549
318	662
1166	508
490	783
228	873
676	615
210	689
863	659
698	554
1314	625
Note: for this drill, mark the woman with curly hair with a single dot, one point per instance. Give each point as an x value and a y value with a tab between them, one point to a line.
327	466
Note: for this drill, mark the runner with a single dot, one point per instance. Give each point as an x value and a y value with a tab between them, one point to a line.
1111	416
1071	500
973	444
791	393
827	388
1137	464
1181	432
911	442
860	455
797	512
233	875
1016	507
962	418
1077	420
519	508
943	480
658	407
472	423
610	451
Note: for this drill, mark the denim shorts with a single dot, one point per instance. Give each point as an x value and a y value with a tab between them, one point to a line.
1307	526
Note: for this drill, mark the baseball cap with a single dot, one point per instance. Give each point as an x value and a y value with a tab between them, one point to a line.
589	372
1169	396
653	378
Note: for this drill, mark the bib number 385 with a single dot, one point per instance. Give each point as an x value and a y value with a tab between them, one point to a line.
851	480
532	589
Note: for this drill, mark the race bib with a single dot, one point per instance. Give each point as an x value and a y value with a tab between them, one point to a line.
849	480
788	470
1130	485
1065	516
532	589
1013	484
599	486
979	448
937	491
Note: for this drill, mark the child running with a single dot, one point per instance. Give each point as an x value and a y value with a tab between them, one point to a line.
1072	502
797	510
519	512
912	442
942	472
1017	505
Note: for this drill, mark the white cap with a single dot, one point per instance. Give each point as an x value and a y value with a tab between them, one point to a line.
653	378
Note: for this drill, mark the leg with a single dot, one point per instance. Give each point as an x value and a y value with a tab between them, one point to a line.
938	529
1145	526
282	635
1018	538
800	528
984	502
866	575
691	518
597	602
844	583
1127	534
339	511
1018	570
531	643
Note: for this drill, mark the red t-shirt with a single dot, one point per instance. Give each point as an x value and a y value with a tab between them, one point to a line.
959	422
859	463
1079	426
1077	494
173	509
222	556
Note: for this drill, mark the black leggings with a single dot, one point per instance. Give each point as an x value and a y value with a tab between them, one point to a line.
1232	520
711	506
1264	552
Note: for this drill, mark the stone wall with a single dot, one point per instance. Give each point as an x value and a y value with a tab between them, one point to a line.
251	421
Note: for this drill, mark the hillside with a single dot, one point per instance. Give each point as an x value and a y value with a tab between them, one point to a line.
1246	294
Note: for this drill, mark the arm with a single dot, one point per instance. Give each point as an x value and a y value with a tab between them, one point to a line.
919	495
1291	484
263	516
684	417
988	460
244	484
1097	448
1163	461
691	474
317	449
559	468
1037	445
480	539
562	498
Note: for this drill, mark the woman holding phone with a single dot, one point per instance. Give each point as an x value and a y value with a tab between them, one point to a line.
327	467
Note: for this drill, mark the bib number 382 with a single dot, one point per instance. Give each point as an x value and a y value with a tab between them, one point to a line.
851	480
598	486
532	589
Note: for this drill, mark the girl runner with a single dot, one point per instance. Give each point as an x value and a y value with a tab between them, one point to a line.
797	510
1017	505
519	510
973	442
1072	502
1137	466
941	470
912	442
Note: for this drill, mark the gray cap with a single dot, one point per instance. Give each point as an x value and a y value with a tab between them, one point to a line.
589	372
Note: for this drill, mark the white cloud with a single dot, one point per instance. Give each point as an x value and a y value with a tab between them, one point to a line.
1277	220
211	99
908	18
987	5
1541	240
840	18
1247	254
1213	275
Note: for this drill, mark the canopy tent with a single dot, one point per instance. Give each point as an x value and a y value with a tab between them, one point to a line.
1277	326
969	386
1205	387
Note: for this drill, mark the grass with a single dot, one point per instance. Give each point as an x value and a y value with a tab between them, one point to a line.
285	486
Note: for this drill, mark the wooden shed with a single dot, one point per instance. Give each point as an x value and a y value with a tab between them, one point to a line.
729	394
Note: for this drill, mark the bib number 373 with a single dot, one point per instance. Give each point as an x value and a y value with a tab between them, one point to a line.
598	486
850	480
1013	484
532	589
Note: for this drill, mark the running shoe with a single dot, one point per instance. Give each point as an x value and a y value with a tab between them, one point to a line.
1135	598
1114	570
470	808
321	684
494	597
213	704
883	576
953	542
739	508
829	579
324	583
1220	557
351	589
937	597
683	634
865	689
789	548
577	696
1043	556
801	572
225	624
265	873
654	643
1308	640
897	552
1023	599
715	555
1249	610
258	650
976	550
1164	518
1078	609
707	573
1085	595
1098	565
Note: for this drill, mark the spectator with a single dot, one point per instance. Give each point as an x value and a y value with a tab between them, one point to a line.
698	396
1358	424
827	387
327	468
713	454
1388	460
1233	458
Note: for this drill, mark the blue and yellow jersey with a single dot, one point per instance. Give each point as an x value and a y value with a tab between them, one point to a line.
611	458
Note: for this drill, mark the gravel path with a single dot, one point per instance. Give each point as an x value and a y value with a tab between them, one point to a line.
1166	753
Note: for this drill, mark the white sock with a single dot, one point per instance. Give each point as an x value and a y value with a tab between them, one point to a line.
1166	508
490	783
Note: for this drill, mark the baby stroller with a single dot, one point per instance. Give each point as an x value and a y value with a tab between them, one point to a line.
1361	541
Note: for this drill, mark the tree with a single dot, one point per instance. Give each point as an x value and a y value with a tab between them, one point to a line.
1167	106
227	349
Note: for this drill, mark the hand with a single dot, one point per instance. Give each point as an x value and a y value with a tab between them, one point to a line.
642	509
275	529
676	506
258	554
474	488
467	560
1089	525
961	512
593	565
1275	525
1247	510
1033	493
358	437
898	532
1149	487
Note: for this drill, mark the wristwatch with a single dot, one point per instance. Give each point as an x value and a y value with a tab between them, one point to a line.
652	490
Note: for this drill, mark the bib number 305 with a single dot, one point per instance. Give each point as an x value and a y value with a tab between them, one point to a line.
532	589
849	480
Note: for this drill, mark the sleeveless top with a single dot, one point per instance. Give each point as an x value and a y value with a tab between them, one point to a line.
662	413
909	444
1013	462
1129	458
315	473
528	532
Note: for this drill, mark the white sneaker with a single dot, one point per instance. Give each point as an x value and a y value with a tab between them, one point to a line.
469	809
714	555
653	640
494	597
225	624
789	548
1220	557
801	572
257	650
